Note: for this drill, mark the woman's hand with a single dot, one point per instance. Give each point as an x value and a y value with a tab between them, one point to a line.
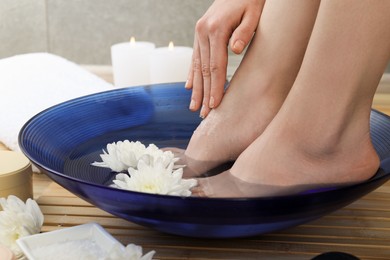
234	20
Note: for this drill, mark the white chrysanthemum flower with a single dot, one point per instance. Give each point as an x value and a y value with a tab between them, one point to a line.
18	219
131	252
156	179
166	157
124	154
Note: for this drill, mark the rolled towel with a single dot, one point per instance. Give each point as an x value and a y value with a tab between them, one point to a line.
30	83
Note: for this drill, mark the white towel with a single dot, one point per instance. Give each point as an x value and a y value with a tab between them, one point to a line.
30	83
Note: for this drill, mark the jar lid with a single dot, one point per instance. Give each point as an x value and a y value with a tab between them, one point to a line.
15	169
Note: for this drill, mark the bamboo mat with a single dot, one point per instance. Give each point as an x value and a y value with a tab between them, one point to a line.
362	229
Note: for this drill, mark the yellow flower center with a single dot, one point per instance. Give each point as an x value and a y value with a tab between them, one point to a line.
149	187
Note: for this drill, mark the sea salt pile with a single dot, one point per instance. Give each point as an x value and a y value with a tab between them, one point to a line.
83	249
87	249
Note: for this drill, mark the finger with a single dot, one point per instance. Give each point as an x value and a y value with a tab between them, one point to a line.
205	57
197	82
244	32
218	66
206	94
204	46
205	110
190	77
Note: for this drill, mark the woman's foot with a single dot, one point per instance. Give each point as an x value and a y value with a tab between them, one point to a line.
283	160
229	129
257	90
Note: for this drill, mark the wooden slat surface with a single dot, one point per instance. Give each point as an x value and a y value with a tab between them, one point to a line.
362	228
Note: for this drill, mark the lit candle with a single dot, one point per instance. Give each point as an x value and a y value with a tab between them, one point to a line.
170	64
130	63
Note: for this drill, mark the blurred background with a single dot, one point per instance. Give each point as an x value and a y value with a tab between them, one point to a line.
84	30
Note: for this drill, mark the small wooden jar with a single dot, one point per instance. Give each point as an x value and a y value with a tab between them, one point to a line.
15	175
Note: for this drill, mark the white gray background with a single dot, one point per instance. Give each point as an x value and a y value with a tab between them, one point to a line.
84	30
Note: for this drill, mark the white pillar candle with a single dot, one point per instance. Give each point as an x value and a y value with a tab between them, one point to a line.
130	63
170	64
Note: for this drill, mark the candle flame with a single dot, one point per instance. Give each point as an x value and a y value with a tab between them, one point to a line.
132	40
171	46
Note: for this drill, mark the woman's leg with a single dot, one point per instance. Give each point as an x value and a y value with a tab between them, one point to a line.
257	89
321	134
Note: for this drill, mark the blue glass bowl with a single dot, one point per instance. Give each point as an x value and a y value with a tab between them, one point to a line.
63	140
